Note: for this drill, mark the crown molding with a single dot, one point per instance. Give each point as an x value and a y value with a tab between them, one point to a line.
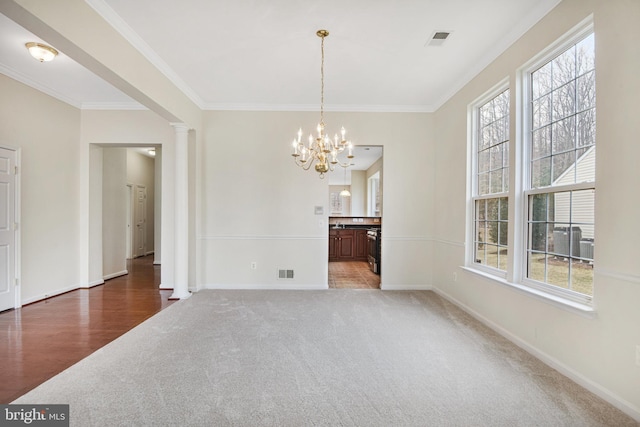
314	108
16	75
112	106
113	19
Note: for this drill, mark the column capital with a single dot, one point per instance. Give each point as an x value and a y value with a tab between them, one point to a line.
180	127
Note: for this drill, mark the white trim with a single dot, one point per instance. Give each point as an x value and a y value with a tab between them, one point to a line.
406	287
51	295
258	237
110	16
572	306
92	284
114	275
314	107
270	286
112	106
631	278
615	400
406	239
449	242
17	75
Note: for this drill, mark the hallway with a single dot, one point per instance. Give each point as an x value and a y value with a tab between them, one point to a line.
42	339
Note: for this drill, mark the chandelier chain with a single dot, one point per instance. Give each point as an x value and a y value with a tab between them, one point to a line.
322	82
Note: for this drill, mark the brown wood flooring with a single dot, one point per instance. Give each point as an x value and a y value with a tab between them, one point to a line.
352	275
42	339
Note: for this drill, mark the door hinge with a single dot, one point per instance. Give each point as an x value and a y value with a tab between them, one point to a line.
17	282
15	226
15	170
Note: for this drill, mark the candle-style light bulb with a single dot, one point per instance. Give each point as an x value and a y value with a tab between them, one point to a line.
299	134
310	141
342	131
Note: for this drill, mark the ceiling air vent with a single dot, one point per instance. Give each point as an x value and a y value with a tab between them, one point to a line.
438	38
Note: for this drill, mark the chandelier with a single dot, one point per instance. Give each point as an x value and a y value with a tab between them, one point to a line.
321	150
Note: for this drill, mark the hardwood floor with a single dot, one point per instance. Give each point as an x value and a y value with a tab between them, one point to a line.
44	338
352	275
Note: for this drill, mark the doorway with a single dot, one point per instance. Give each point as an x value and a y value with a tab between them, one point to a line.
8	229
355	209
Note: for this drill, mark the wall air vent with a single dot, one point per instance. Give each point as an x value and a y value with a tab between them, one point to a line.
285	274
438	38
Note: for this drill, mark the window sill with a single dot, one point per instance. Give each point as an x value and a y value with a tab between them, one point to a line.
583	310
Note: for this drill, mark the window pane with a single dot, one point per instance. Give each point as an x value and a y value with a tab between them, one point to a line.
537	267
541	112
541	144
502	258
538	236
479	254
496	181
483	161
492	209
586	128
563	164
483	183
541	172
582	277
586	91
585	55
557	272
541	81
563	68
563	135
539	207
564	101
480	210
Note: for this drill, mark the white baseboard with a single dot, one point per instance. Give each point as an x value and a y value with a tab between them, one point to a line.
597	389
92	284
114	275
399	287
49	295
272	286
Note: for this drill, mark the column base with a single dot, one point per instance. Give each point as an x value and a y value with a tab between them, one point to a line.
179	295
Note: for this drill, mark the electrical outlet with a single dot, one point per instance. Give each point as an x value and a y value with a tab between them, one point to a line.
638	354
254	265
455	276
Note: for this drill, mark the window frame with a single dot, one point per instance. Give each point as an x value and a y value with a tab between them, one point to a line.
472	179
519	190
580	32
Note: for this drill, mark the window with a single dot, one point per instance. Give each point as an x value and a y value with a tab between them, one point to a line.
551	246
491	183
561	155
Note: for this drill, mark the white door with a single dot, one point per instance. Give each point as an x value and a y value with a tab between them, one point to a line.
140	213
7	229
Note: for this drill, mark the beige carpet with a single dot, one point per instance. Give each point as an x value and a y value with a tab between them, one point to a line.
316	358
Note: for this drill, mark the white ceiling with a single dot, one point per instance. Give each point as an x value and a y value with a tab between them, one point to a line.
265	55
256	54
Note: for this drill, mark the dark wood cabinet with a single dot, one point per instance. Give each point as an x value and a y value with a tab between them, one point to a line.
361	245
347	244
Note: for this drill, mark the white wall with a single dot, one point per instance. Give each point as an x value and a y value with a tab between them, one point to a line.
597	352
114	212
258	206
46	131
108	128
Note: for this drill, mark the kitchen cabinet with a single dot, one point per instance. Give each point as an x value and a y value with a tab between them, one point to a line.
346	244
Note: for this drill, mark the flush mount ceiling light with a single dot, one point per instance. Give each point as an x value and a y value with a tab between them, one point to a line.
321	150
41	52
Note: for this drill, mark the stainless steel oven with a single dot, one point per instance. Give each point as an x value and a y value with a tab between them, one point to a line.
373	249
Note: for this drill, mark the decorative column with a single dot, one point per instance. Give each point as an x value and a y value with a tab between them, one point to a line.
181	212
